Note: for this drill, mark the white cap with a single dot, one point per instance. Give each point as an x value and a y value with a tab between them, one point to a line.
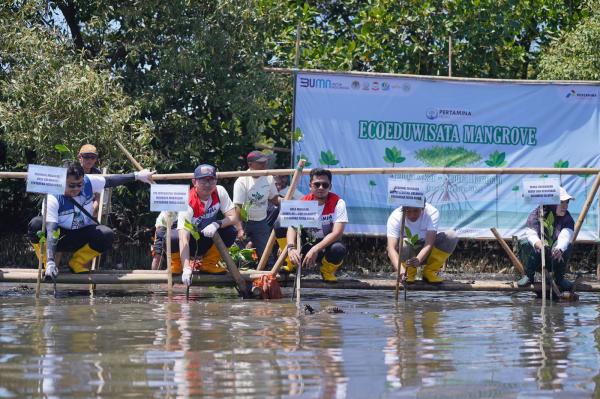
565	196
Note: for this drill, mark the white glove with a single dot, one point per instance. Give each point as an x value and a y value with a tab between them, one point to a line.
144	175
210	230
51	270
186	276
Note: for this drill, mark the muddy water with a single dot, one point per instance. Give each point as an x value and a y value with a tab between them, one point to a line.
138	344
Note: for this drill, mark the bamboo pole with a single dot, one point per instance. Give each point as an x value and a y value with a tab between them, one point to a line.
42	247
169	265
367	171
126	277
399	264
233	270
282	256
515	261
299	270
129	156
271	242
586	207
541	221
96	261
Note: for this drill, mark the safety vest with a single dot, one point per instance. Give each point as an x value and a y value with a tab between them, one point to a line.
327	214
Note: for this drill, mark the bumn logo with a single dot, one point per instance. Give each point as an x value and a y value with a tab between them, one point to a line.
315	83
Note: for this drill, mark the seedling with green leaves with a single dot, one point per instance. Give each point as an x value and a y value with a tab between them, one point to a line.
241	256
548	222
244	210
496	160
188	226
410	238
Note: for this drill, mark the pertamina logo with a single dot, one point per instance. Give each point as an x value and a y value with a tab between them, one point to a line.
583	95
447	113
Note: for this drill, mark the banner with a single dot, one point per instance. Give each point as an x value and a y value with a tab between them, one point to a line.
360	121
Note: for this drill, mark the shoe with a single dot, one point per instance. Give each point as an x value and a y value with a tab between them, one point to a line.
411	273
176	263
328	270
288	267
524	282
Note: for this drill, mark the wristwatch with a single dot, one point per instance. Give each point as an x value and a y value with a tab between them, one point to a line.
291	246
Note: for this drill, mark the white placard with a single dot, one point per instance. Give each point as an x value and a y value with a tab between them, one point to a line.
405	193
541	191
294	213
169	197
46	179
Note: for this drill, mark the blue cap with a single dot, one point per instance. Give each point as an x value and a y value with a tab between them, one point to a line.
205	170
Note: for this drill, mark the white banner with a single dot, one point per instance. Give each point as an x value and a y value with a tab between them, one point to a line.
169	197
541	191
352	120
44	179
295	213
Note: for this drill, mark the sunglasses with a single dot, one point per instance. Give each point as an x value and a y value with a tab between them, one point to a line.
75	185
89	156
319	184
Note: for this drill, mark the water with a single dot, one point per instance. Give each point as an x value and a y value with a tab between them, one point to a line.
437	345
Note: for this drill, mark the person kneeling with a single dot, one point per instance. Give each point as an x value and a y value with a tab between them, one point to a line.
70	226
322	245
206	199
432	247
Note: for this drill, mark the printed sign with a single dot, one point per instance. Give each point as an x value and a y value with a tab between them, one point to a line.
168	197
295	213
46	179
541	191
405	193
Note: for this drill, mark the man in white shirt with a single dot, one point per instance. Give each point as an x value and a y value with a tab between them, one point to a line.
251	196
322	245
432	248
201	221
558	252
160	235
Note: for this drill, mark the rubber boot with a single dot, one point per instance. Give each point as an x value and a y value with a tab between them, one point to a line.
288	267
559	277
38	249
434	264
176	263
328	270
209	262
530	259
81	257
411	273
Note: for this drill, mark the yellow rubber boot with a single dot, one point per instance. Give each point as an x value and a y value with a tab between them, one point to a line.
209	262
328	270
411	273
288	267
81	257
434	264
176	263
38	249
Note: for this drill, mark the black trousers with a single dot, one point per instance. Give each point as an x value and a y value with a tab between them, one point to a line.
98	237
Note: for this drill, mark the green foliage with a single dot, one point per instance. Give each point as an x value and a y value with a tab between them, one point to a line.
244	210
447	157
573	55
297	135
548	223
242	256
410	239
188	226
393	156
496	160
42	237
561	164
302	156
328	158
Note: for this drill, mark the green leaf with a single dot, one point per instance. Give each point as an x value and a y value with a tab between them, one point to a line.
372	183
56	234
328	158
187	225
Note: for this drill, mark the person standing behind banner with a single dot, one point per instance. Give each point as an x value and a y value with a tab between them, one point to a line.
206	200
70	226
88	156
558	255
251	195
321	245
160	236
432	249
282	183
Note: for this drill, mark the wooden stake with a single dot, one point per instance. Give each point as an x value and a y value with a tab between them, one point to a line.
169	266
399	265
282	256
293	185
541	219
299	270
96	261
42	248
511	255
586	207
235	273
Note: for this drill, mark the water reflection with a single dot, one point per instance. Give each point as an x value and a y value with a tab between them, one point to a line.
216	345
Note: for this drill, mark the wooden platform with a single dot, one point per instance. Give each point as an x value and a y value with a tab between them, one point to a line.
122	277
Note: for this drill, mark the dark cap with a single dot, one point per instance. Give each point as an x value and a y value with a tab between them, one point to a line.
205	170
257	156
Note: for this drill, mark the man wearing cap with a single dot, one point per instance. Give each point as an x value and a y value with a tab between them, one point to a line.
251	195
432	248
70	226
558	252
205	202
321	245
88	156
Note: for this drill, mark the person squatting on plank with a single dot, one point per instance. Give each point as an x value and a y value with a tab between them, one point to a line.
206	200
558	252
431	248
322	245
70	226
